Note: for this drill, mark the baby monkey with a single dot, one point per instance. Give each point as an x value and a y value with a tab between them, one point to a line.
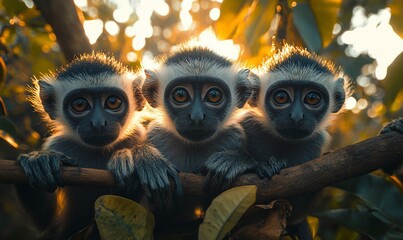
92	108
299	95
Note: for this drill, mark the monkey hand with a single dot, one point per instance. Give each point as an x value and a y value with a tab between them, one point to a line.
43	168
393	126
270	167
144	168
222	168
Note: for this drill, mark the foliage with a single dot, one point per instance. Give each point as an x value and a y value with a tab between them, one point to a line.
225	211
28	47
376	213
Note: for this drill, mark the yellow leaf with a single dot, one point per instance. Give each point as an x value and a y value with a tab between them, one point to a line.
225	211
3	73
122	218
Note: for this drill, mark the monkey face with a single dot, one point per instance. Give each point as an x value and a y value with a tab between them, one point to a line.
296	108
96	115
197	106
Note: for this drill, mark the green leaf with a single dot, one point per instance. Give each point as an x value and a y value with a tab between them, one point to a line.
245	21
326	13
259	23
393	82
304	21
396	20
122	218
7	126
378	194
225	211
232	13
358	220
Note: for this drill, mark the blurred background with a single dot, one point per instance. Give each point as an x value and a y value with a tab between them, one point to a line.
362	36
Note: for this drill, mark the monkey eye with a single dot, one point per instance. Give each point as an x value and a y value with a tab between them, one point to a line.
214	95
113	102
80	105
180	95
281	97
312	98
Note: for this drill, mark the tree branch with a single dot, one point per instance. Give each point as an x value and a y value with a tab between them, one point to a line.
348	162
62	17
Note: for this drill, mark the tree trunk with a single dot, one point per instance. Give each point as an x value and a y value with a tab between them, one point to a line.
62	16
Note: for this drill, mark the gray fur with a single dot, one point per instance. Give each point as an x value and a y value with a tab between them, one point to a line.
178	137
97	137
395	125
291	132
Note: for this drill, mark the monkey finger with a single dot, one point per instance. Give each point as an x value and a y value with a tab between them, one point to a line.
215	182
55	169
393	126
38	178
67	161
49	168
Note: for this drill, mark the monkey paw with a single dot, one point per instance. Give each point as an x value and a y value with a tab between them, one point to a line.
145	167
393	126
270	167
222	168
42	168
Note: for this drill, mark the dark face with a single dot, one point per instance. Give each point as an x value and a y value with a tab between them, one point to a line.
296	108
197	105
97	114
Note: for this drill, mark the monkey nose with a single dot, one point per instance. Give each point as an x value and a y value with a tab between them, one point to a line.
98	125
297	117
197	118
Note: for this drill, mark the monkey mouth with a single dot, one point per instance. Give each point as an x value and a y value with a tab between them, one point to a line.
294	133
99	140
197	134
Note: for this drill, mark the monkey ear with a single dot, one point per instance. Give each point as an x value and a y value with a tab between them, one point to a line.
47	96
255	81
243	87
339	95
138	95
150	88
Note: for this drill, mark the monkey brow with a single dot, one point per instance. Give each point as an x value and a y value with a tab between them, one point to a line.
198	55
90	69
299	60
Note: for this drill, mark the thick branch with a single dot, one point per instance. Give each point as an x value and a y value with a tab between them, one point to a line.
62	17
347	162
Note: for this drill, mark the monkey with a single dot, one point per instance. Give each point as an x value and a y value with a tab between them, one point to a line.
298	96
198	92
93	109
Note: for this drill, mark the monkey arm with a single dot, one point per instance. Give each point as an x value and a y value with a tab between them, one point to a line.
222	167
43	171
144	168
43	168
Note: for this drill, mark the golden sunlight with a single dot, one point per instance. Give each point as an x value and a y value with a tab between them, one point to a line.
374	36
93	29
